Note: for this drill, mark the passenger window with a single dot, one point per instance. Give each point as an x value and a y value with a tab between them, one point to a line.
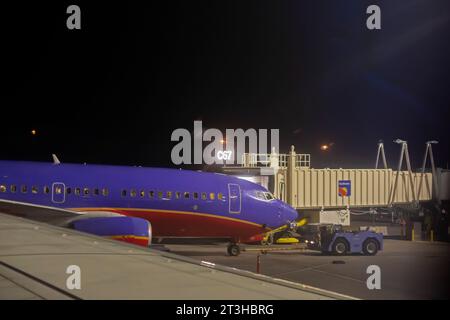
13	188
151	194
77	191
169	194
142	193
203	195
34	189
124	193
133	193
160	194
177	195
23	189
105	192
220	196
86	191
186	195
212	196
46	190
69	190
196	195
2	188
58	190
96	191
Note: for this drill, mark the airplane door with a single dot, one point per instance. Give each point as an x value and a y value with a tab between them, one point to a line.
281	191
234	198
58	192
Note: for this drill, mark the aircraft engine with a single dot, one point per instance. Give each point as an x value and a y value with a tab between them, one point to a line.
128	229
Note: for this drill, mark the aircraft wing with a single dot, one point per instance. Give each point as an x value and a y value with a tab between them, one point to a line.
50	215
35	257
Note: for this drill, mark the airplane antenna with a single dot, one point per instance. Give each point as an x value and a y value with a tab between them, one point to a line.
55	159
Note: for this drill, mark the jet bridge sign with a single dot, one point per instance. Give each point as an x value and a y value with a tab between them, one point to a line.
345	188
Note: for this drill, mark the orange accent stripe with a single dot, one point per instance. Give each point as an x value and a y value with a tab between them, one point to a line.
129	236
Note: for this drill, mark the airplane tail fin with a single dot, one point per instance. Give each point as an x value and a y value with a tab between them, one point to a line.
55	159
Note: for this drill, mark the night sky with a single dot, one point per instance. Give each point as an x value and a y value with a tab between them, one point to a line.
114	91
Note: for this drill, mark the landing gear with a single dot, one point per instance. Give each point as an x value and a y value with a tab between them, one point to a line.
233	250
268	240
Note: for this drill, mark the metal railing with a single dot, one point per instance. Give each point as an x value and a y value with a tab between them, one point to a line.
252	160
255	160
303	160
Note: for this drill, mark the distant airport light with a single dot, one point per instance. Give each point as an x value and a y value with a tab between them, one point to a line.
324	147
33	132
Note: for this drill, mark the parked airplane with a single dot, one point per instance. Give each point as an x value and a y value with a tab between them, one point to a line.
135	204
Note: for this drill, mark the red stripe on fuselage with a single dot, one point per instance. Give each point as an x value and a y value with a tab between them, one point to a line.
175	224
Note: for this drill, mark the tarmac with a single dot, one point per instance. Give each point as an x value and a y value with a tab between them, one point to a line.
409	270
34	257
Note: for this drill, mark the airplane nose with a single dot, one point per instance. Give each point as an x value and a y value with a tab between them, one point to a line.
293	214
289	214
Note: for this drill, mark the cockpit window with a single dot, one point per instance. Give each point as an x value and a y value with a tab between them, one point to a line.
264	195
260	195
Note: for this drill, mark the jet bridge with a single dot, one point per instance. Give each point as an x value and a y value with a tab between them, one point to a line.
291	179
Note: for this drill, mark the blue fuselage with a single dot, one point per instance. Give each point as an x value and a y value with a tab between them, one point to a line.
178	203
